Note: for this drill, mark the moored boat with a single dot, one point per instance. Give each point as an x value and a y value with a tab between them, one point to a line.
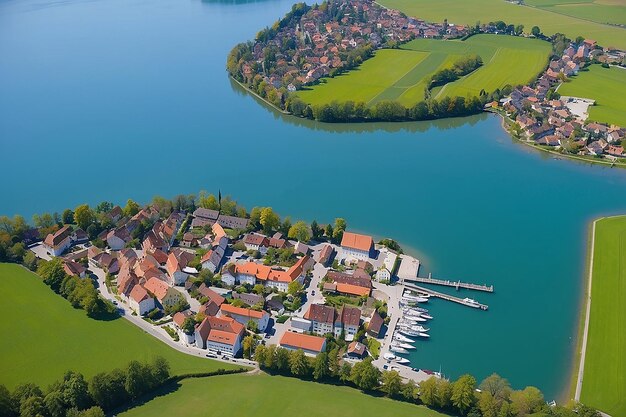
389	356
402	361
398	349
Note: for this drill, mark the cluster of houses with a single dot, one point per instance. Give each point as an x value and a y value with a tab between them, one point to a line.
561	123
157	275
324	36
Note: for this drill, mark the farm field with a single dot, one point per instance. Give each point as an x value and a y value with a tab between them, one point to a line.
468	13
605	361
44	336
276	396
605	85
402	74
600	11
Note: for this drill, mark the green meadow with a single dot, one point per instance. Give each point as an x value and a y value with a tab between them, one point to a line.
604	384
402	74
271	396
43	336
600	11
605	85
469	12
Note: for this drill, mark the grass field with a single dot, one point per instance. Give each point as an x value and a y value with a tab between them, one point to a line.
469	12
604	385
43	336
605	85
600	11
262	395
402	74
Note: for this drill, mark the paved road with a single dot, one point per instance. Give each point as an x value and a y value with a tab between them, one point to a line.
157	332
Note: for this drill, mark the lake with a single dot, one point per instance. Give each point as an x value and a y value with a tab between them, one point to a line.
109	100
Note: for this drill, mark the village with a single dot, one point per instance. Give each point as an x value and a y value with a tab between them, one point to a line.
544	117
320	43
203	282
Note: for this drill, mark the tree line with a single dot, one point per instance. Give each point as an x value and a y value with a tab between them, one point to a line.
80	292
74	396
459	68
493	397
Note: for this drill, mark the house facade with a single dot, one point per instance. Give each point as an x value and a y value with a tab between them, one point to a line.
357	246
58	242
140	301
222	335
244	315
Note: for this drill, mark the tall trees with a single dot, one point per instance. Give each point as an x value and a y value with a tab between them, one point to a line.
300	232
463	393
321	368
298	363
365	375
391	383
316	231
428	392
84	216
269	220
131	208
338	229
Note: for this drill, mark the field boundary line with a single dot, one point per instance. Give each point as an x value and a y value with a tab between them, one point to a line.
403	75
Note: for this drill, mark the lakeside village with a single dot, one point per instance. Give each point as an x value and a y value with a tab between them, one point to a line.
311	43
219	285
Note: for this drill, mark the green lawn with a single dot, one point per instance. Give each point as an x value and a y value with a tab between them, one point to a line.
600	11
469	12
604	382
43	336
402	74
605	85
372	78
275	396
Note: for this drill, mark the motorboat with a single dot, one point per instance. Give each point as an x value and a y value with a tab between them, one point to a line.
408	332
389	356
406	346
414	299
422	334
471	302
402	338
398	349
402	361
427	316
413	319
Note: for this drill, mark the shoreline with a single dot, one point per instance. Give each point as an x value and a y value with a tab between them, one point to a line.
504	124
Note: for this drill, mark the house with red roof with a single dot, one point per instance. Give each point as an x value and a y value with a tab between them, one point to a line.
311	345
58	242
140	301
222	335
357	246
74	268
164	294
252	273
244	315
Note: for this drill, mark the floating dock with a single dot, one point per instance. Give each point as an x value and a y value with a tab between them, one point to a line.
445	296
448	283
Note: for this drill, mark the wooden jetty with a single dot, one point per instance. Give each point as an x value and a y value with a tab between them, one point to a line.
448	283
443	296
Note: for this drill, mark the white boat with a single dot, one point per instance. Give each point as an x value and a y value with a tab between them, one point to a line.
420	328
403	338
427	316
422	334
406	346
398	349
414	299
471	302
402	361
414	319
408	332
389	356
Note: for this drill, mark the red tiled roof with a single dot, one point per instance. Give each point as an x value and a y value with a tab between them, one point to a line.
228	309
357	241
302	341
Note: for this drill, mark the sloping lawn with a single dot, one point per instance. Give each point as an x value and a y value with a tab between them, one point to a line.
604	384
271	396
605	85
43	336
463	12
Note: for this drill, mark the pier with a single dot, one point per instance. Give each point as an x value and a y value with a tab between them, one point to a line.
448	283
443	296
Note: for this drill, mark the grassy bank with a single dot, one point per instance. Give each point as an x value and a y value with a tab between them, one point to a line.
263	395
43	336
403	74
607	86
605	360
468	13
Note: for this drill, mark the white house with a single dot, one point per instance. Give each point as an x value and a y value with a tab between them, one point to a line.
58	242
117	238
347	321
140	301
322	318
383	274
220	334
356	246
311	345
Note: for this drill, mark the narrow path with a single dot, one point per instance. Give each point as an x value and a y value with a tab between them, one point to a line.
583	352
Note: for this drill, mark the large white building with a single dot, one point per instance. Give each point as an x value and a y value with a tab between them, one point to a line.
357	247
222	335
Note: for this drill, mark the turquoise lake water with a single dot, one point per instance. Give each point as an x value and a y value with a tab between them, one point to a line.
106	100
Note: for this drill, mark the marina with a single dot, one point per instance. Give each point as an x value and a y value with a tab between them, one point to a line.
465	301
454	284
